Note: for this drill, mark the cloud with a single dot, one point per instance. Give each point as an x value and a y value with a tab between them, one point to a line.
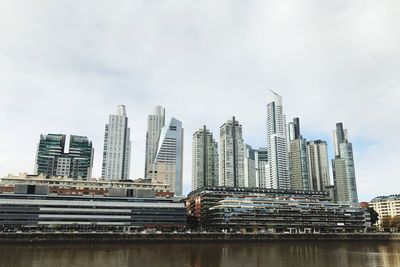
65	66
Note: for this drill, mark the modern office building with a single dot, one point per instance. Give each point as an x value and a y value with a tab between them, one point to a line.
278	158
318	165
343	168
204	159
298	160
231	154
168	162
386	206
35	210
251	167
155	122
262	167
51	159
117	147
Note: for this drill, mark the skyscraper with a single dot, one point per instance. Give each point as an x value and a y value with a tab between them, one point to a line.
298	160
262	167
117	147
278	159
250	167
51	159
81	151
168	162
231	154
204	159
318	165
343	168
155	122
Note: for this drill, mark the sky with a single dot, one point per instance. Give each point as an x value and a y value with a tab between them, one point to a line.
66	65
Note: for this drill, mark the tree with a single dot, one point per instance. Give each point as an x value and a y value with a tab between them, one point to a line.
374	215
386	222
192	222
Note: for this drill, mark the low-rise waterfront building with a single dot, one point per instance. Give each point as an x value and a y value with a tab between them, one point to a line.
41	212
272	210
285	215
386	206
199	202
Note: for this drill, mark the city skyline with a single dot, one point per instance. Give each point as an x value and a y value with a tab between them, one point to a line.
61	78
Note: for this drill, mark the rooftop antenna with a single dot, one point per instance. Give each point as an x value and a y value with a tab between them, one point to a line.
273	92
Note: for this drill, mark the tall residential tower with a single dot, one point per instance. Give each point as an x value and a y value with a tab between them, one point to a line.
231	154
155	122
204	159
278	159
343	168
318	165
298	160
117	147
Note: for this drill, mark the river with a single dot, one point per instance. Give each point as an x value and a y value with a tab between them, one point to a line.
275	254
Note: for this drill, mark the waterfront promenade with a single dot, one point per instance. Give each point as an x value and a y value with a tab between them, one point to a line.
186	237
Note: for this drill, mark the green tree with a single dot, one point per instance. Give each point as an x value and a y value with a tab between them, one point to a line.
386	222
374	215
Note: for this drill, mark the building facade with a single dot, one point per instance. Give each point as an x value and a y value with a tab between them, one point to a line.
155	122
251	178
298	160
278	158
204	159
318	165
52	160
262	167
28	212
386	206
231	154
343	168
117	147
168	162
295	214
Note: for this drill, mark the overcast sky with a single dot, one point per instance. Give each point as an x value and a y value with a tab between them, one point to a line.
65	65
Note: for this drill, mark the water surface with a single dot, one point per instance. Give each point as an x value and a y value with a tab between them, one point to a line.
276	254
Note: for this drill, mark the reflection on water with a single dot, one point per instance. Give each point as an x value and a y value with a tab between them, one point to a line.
326	254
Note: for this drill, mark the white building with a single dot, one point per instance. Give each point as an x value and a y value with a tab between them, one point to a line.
318	165
168	162
231	155
386	206
155	122
117	147
204	159
277	145
343	168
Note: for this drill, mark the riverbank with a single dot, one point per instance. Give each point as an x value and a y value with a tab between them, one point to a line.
184	237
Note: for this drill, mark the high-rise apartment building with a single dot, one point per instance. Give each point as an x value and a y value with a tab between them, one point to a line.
318	165
262	167
343	168
251	167
204	159
51	159
117	147
298	160
278	159
155	122
231	154
168	162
